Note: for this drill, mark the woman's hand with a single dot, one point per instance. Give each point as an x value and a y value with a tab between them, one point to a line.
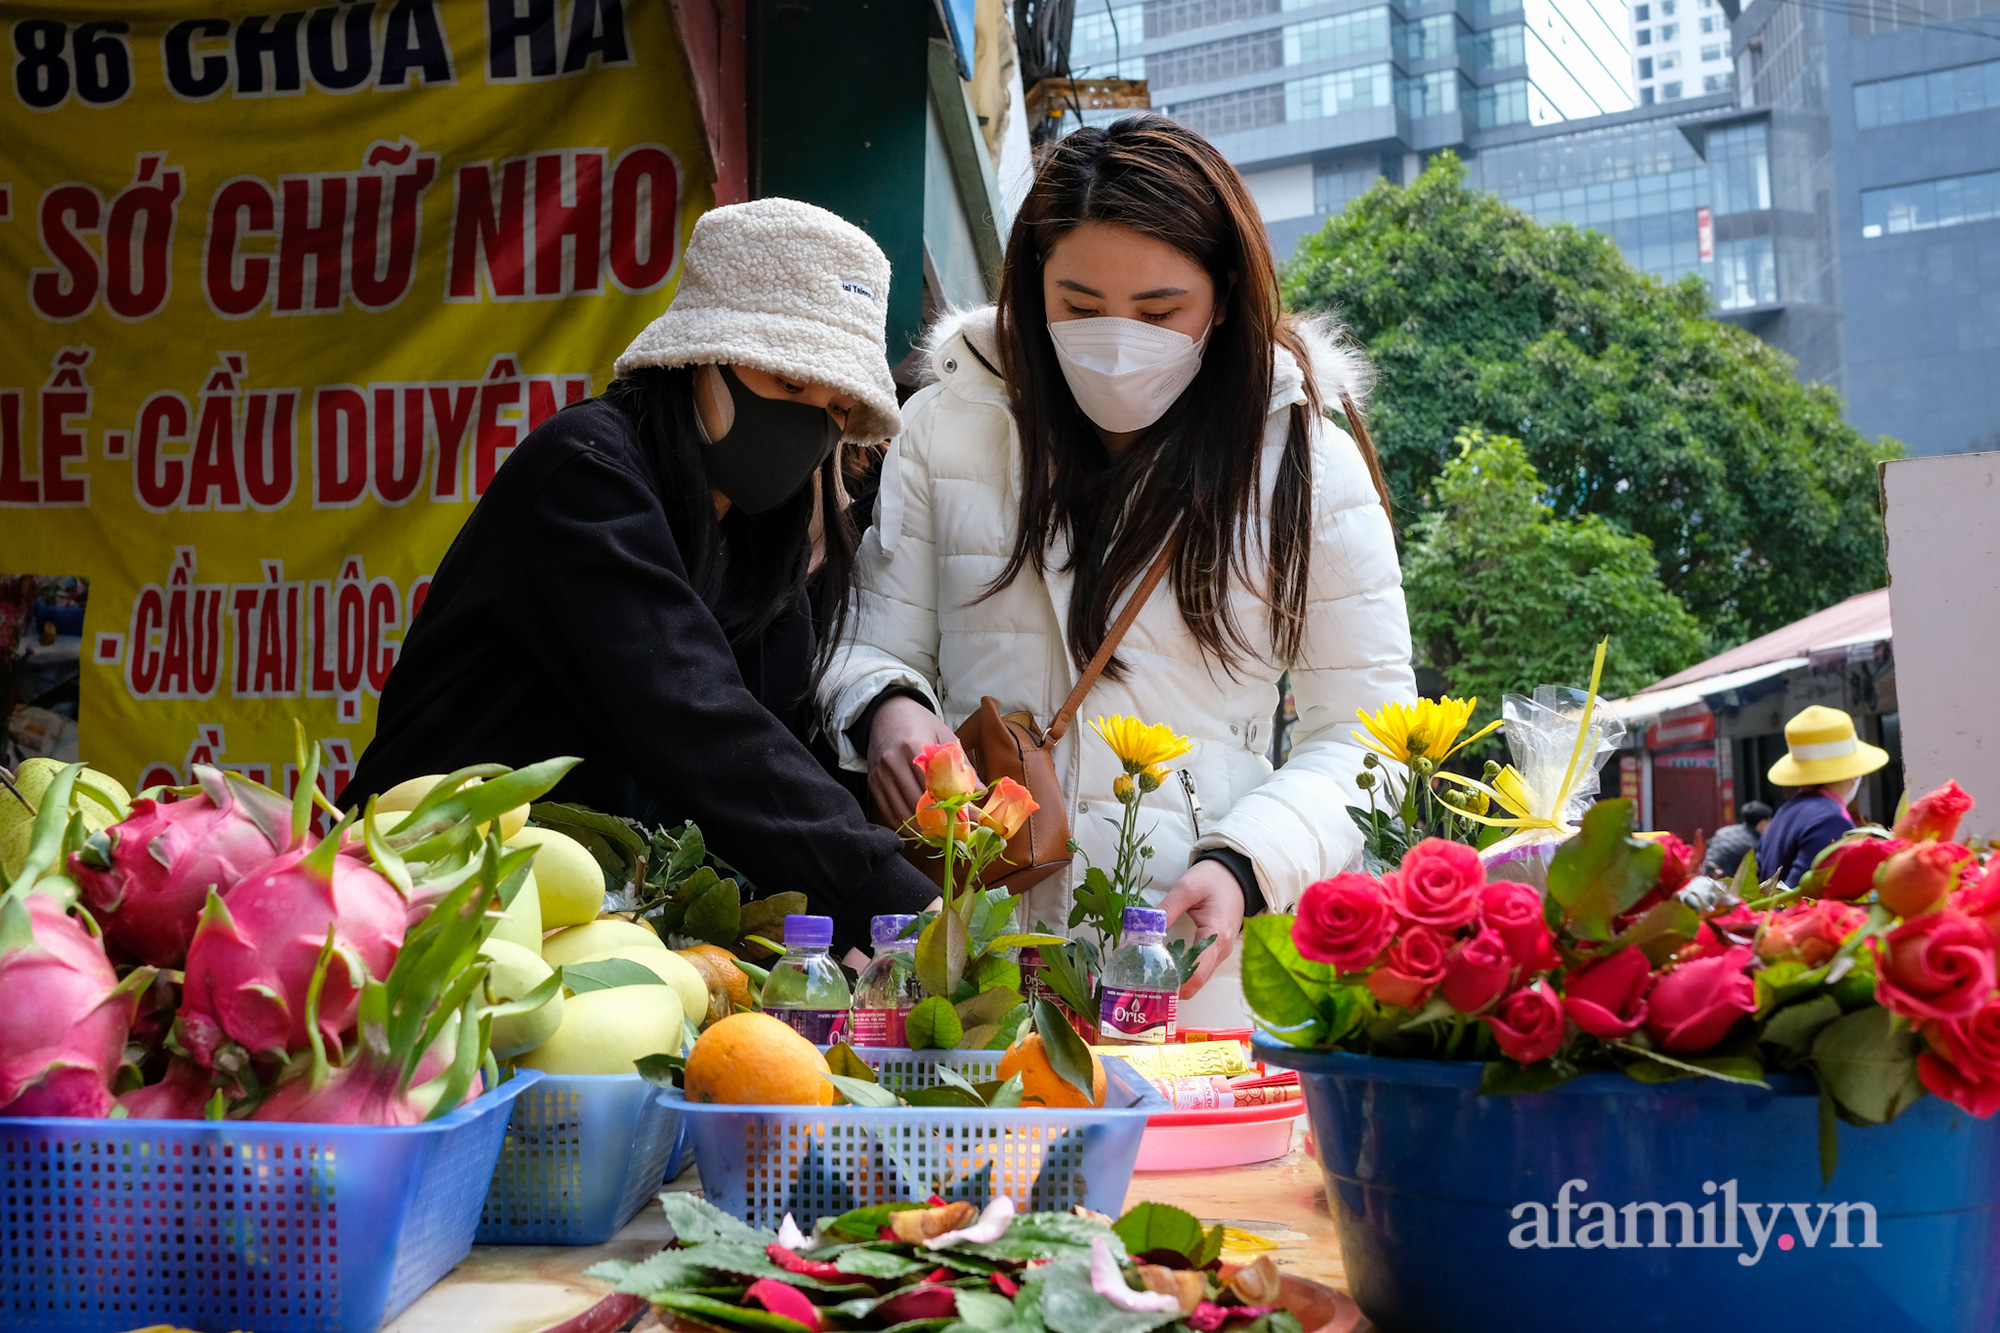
902	727
1209	896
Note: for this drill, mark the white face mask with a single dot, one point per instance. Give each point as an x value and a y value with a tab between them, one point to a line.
1125	373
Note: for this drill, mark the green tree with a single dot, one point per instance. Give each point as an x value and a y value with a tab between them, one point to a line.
1506	595
1761	502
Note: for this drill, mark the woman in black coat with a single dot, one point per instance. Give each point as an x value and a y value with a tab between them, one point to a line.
634	586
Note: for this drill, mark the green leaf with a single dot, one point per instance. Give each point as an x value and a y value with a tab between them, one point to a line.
1867	1062
1043	1236
1059	970
758	975
1785	981
1829	1138
696	1222
932	1024
1070	1305
986	1311
1024	941
1666	925
662	1071
992	971
1068	1056
1504	1077
943	1095
766	916
1601	872
1159	1233
714	1311
842	1060
941	951
951	1078
1729	1069
1008	1028
989	1006
863	1092
1285	990
717	914
1795	1026
998	1095
877	1263
863	1224
608	973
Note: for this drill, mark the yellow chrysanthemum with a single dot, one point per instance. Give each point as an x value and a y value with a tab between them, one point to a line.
1429	728
1140	745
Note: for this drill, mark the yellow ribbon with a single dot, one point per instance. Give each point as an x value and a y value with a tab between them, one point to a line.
1510	790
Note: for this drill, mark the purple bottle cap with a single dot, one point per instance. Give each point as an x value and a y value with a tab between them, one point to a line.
1145	921
885	930
809	932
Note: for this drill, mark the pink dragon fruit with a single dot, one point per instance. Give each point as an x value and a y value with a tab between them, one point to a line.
146	878
182	1094
64	1013
253	954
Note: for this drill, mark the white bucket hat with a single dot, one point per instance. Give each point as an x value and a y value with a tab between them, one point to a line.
789	289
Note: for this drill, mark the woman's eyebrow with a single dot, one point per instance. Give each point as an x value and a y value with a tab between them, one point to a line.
1079	287
1157	293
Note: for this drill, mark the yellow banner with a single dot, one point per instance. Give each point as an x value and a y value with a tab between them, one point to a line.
278	294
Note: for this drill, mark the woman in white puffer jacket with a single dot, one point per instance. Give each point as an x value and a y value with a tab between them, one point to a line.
1137	384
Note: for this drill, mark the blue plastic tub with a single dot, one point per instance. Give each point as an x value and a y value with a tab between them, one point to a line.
762	1162
224	1225
1450	1206
583	1154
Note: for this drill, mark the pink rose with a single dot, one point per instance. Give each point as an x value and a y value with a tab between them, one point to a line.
1693	1007
1917	878
1528	1024
1438	884
1344	921
1514	912
1938	965
1607	998
1979	898
1809	931
946	771
1414	966
1934	815
1721	933
1846	870
1963	1062
1478	973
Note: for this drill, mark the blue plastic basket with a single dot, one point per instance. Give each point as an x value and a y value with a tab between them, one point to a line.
583	1154
221	1225
762	1162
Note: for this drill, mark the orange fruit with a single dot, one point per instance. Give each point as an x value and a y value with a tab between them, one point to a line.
756	1060
733	980
1040	1084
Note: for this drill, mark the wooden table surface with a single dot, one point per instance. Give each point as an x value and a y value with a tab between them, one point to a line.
528	1288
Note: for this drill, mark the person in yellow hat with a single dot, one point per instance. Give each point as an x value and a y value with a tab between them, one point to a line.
1826	762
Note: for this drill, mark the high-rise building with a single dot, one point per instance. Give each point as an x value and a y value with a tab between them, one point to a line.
1314	100
1680	48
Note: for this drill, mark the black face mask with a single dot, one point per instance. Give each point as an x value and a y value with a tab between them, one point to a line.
770	450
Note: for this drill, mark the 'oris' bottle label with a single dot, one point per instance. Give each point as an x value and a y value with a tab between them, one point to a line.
879	1027
821	1027
1138	1015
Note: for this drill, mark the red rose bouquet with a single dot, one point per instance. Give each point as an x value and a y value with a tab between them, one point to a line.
1878	975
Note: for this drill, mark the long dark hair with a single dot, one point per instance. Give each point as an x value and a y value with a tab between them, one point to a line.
1196	472
748	568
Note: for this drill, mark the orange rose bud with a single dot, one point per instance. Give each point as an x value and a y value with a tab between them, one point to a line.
1916	879
1007	808
946	771
932	820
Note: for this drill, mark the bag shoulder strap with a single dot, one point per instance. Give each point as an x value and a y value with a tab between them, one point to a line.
1133	605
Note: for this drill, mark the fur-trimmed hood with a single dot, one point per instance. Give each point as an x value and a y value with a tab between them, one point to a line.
1339	366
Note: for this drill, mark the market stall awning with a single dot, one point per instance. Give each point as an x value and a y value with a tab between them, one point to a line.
1641	709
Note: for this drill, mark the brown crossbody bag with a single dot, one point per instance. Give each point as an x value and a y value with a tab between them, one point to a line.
1013	745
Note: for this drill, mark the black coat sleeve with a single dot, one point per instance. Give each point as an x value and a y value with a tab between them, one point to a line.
632	645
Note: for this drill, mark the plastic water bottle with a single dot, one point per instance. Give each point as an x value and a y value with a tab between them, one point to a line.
1141	985
806	987
887	989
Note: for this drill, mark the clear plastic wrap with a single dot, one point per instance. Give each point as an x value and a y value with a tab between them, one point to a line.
1553	779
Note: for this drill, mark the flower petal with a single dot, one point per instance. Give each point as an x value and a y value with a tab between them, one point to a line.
991	1226
790	1236
1107	1279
